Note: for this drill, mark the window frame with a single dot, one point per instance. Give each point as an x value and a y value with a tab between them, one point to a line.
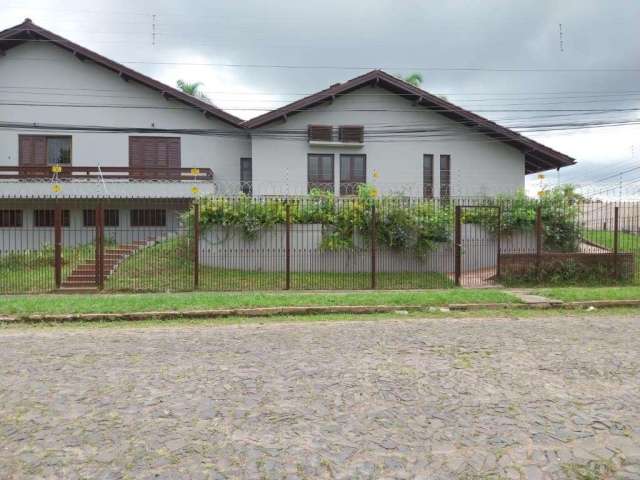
246	186
46	138
89	217
11	218
147	217
445	176
326	185
427	175
48	213
351	181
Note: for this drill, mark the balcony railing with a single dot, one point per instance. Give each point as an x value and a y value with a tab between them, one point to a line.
107	173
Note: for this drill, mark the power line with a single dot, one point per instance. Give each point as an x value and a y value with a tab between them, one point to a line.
362	67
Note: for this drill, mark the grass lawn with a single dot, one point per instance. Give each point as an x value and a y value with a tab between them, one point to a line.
33	271
108	303
576	294
167	267
507	314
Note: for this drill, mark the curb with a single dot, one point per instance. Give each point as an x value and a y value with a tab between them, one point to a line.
271	311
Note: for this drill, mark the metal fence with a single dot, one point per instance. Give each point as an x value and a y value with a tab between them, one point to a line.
312	243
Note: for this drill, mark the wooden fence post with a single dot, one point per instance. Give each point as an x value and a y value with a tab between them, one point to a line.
57	246
616	236
287	242
538	239
374	247
498	240
99	247
457	246
196	245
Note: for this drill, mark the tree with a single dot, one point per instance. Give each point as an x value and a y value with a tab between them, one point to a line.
414	79
193	89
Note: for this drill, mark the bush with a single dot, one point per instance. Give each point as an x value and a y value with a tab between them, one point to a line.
400	224
559	212
562	272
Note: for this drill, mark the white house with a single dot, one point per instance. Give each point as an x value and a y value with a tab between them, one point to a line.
74	124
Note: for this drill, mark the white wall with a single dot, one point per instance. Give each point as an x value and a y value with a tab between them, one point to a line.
480	165
88	83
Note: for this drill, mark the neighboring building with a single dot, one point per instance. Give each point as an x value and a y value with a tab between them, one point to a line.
116	133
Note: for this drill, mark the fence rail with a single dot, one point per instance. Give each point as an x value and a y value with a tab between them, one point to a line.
241	243
108	173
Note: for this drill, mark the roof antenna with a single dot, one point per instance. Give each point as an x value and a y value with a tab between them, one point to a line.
153	30
561	37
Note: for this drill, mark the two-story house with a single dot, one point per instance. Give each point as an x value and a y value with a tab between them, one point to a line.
76	127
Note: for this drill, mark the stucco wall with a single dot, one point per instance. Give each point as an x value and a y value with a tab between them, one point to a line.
480	165
58	77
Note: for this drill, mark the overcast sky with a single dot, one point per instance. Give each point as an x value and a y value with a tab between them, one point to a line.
399	36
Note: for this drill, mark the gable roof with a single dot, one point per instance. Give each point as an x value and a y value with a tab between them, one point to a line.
538	157
28	30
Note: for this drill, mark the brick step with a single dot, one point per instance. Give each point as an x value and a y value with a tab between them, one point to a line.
120	250
81	277
78	284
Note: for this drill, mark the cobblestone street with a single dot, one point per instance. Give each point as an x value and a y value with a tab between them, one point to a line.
440	398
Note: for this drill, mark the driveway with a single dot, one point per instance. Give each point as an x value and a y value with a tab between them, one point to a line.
440	398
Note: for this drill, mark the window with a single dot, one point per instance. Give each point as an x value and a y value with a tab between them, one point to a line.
246	176
154	152
351	133
148	218
320	171
445	176
45	218
111	218
44	150
10	218
427	175
353	172
320	133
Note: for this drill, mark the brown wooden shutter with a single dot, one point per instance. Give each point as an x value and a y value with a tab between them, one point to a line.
154	152
32	152
351	133
320	133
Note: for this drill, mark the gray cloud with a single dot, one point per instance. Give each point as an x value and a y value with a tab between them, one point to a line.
383	33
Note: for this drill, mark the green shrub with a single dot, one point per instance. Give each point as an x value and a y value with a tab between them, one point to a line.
559	214
400	224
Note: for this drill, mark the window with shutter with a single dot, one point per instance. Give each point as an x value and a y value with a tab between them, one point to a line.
43	151
427	175
154	152
246	176
10	218
445	176
353	172
148	218
320	171
351	133
320	133
111	218
45	218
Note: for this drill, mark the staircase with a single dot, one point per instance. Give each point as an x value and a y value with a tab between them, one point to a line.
83	278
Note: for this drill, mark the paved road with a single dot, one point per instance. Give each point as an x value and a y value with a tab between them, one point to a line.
458	398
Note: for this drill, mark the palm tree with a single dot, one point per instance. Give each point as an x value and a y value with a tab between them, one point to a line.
414	79
193	89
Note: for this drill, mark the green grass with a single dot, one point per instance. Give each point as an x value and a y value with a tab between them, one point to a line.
167	266
113	303
507	314
627	243
33	271
577	294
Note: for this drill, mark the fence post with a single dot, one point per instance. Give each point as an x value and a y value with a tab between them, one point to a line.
287	243
196	244
615	242
538	239
374	247
498	240
57	246
457	246
99	247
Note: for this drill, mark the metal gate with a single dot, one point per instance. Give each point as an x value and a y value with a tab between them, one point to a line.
477	248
